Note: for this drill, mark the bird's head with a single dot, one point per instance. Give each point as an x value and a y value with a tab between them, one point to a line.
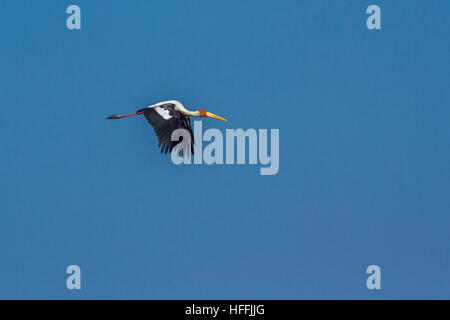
204	113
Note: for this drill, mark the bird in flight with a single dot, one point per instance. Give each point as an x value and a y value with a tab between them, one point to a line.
167	116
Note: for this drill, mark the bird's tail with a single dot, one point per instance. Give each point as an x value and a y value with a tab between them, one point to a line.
119	116
114	116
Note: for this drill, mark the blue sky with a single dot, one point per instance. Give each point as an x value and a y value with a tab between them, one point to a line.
364	150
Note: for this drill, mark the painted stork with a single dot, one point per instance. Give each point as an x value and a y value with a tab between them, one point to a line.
167	116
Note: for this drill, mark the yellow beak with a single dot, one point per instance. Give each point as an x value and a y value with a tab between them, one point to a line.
212	115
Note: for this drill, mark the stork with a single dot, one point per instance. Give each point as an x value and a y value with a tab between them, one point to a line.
167	116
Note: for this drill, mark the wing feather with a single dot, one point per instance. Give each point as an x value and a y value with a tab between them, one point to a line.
164	119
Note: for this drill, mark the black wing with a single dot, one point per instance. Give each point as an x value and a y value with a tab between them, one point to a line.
165	119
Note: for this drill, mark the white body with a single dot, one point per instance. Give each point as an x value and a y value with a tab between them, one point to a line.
178	106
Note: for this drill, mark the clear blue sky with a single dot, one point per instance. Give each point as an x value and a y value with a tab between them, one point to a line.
364	150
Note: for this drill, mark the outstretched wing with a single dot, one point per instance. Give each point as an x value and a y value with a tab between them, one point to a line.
164	119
